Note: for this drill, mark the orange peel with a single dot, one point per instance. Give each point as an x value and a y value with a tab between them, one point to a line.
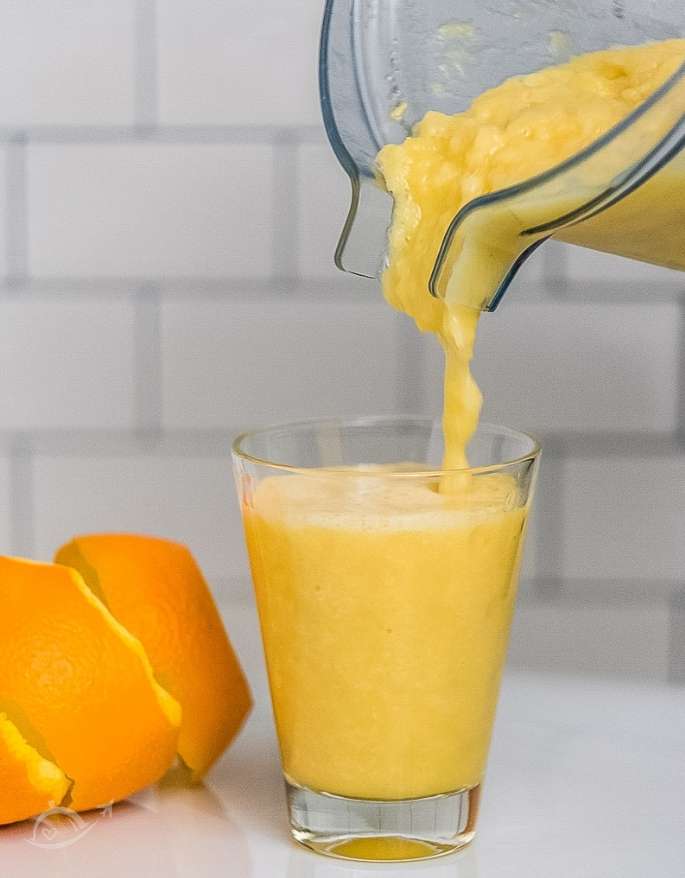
83	685
156	590
30	783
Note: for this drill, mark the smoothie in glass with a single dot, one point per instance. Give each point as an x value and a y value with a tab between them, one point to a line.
385	609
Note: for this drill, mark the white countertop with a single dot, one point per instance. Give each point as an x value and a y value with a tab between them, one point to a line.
586	780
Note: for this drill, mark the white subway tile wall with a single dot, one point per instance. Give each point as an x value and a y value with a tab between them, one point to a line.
67	363
324	195
235	362
171	209
6	537
581	367
6	155
544	552
126	210
67	63
625	518
238	62
597	638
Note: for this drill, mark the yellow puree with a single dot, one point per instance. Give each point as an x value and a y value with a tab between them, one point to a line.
385	604
523	127
384	608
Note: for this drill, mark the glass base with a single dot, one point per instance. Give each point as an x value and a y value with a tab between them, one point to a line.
366	829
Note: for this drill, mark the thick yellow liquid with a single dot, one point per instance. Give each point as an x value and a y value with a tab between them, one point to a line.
385	609
511	133
385	604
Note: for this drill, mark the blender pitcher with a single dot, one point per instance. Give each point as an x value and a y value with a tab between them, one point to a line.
385	63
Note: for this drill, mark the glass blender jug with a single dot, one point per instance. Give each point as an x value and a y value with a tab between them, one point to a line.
385	63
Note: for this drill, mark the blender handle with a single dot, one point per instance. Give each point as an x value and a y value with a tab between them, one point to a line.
354	139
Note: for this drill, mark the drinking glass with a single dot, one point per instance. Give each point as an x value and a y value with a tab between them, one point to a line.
385	588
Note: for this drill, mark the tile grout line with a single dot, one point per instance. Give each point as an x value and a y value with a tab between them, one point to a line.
285	209
146	115
609	590
16	213
146	91
22	522
411	368
186	286
680	380
147	365
555	271
183	288
676	644
147	353
551	510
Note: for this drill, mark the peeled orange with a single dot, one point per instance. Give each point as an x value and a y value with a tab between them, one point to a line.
156	590
30	783
83	690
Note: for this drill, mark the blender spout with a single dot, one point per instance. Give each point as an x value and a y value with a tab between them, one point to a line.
362	245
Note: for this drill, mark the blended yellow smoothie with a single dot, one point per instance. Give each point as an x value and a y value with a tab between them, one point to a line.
385	608
385	602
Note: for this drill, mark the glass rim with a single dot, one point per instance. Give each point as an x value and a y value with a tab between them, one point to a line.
374	420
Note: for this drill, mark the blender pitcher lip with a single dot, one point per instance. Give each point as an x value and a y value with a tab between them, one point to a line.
330	124
333	134
533	452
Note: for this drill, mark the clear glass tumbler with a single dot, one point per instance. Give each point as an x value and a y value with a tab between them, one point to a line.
385	588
